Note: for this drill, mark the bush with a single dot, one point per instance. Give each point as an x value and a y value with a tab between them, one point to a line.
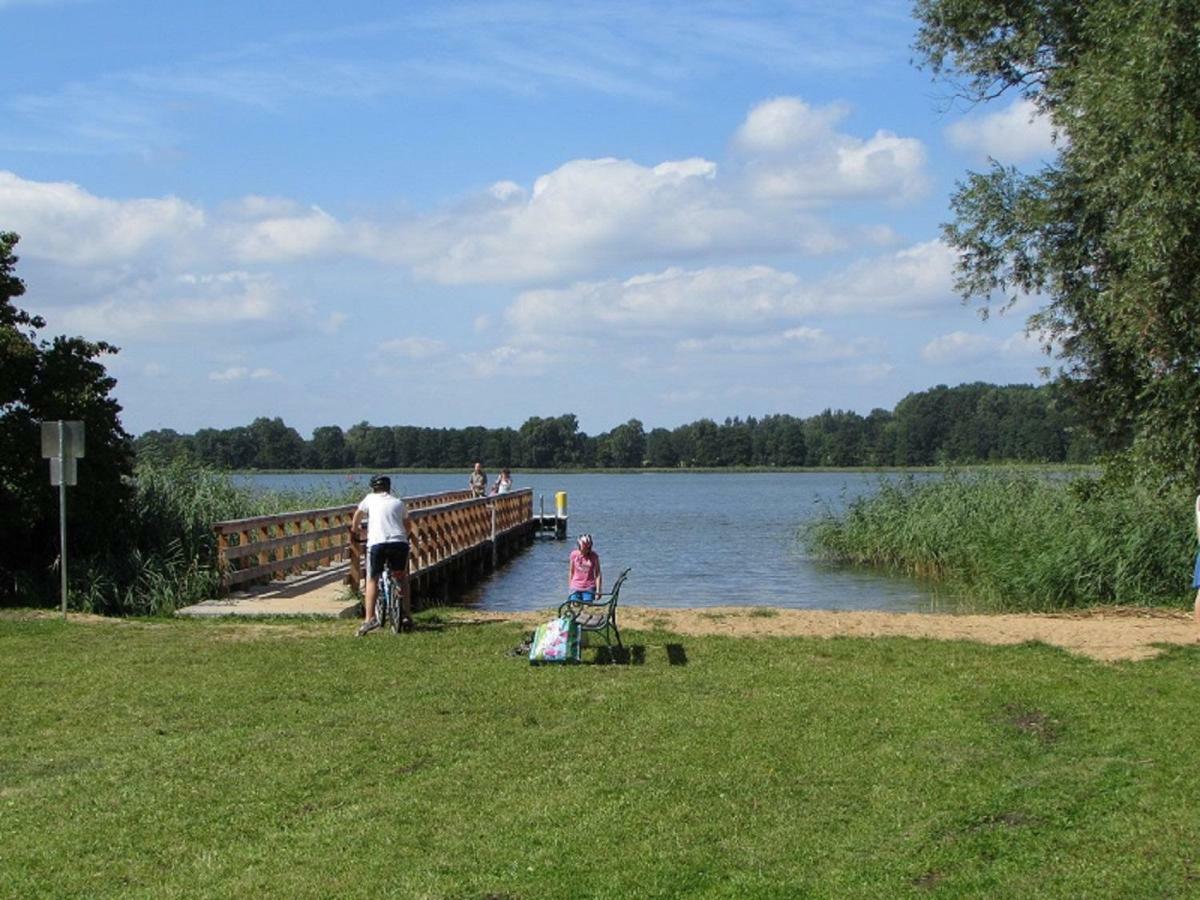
1021	542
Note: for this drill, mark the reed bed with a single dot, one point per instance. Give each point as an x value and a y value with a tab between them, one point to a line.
167	556
1019	541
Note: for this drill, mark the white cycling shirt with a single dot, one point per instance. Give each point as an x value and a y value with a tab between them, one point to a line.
385	518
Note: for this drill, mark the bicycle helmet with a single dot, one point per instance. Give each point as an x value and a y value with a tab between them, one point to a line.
381	482
585	543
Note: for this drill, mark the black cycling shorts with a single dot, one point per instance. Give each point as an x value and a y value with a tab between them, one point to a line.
396	554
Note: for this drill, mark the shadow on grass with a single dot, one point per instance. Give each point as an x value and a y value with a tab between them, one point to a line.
634	655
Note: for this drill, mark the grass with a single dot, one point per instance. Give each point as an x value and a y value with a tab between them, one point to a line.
1017	541
281	759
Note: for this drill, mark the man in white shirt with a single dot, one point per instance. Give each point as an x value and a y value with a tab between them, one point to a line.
387	539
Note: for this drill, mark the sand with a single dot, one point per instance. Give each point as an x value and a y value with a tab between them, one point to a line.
1108	634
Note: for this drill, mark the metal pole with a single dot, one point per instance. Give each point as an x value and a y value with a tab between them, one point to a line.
62	515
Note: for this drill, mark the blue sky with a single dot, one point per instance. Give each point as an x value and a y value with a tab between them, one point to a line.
451	214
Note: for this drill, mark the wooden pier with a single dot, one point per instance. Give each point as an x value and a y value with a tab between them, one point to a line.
454	538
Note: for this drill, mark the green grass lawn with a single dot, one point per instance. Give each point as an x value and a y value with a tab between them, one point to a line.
192	758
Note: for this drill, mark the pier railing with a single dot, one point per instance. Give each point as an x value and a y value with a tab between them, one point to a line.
444	527
443	534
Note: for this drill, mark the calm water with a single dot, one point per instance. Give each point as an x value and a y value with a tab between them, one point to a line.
691	540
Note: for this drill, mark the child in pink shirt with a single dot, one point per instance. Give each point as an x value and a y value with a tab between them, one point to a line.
583	573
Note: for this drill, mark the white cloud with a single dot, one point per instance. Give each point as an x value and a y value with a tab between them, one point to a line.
411	348
174	308
958	347
63	223
1015	134
511	361
303	235
964	347
917	278
677	300
583	217
805	343
794	153
243	373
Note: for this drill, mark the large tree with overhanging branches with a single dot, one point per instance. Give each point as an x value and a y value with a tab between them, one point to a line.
42	380
1109	234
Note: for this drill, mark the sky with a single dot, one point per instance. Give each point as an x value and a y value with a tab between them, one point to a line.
459	213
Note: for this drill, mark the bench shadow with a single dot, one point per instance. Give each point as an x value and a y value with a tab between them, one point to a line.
676	655
634	655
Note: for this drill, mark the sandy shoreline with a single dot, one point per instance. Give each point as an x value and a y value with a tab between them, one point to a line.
1108	634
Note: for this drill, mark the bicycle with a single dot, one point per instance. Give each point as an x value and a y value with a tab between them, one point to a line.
387	602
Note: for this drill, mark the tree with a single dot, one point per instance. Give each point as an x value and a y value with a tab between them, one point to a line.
44	381
327	449
626	445
276	445
1110	233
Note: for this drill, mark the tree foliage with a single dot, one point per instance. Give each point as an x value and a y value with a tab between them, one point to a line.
42	380
1110	233
970	423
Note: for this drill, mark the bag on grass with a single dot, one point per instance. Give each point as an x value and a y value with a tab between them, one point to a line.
556	641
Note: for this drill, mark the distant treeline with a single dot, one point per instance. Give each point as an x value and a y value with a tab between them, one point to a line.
971	423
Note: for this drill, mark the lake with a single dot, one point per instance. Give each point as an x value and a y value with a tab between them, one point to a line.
691	539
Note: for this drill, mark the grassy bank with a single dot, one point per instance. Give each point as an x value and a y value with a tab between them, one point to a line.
223	760
1017	541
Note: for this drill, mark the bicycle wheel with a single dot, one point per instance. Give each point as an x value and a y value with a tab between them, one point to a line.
394	606
383	597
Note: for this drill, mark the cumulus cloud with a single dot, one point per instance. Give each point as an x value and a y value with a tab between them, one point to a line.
174	308
804	343
958	347
914	279
1014	134
793	152
738	297
411	348
243	373
275	238
587	215
584	217
510	360
963	347
63	223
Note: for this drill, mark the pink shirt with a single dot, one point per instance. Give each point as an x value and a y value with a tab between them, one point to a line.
583	571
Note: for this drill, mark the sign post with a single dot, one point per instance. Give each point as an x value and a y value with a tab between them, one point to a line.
62	444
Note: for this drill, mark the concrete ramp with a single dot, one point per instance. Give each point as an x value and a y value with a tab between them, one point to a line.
320	593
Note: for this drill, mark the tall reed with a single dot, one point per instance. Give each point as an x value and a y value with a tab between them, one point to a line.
167	555
1017	541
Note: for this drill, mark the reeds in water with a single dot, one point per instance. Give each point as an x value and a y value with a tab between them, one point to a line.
1020	541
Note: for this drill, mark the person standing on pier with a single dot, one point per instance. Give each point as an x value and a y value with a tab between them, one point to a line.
387	539
478	480
504	483
583	571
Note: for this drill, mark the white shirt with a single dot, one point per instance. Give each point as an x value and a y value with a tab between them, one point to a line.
385	518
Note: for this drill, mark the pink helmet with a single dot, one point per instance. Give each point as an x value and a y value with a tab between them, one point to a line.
585	543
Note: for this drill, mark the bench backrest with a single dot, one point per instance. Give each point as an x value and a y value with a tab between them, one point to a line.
616	590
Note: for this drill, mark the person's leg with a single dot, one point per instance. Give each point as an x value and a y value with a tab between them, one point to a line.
369	600
1196	608
370	593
